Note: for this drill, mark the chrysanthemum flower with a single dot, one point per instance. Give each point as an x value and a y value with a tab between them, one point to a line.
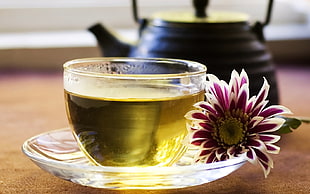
230	123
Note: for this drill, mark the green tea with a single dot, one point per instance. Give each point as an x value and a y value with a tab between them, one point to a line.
136	131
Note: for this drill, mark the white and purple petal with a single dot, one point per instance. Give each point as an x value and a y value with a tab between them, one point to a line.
195	115
243	98
274	110
261	101
211	158
201	134
253	142
207	126
264	160
251	156
272	149
205	106
268	125
255	121
268	138
209	144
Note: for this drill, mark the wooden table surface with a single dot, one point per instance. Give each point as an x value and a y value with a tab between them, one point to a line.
32	103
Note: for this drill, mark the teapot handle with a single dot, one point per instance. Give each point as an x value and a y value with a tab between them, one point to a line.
268	14
142	22
199	5
135	11
259	26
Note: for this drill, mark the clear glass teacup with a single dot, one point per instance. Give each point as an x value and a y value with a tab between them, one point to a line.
130	111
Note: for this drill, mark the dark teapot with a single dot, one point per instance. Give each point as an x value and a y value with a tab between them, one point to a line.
223	41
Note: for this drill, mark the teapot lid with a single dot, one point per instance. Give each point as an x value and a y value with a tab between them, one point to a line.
190	18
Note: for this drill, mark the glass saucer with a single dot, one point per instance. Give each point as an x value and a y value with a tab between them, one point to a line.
58	153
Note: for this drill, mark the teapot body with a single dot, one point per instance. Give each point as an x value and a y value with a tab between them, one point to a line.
222	47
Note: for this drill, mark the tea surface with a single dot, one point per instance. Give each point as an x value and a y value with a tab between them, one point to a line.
131	131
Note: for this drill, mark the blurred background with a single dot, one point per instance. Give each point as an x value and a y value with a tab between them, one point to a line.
43	34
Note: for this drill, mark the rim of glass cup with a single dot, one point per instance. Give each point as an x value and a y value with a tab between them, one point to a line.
201	69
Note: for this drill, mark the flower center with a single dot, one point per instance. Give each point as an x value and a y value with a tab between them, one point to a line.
231	131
